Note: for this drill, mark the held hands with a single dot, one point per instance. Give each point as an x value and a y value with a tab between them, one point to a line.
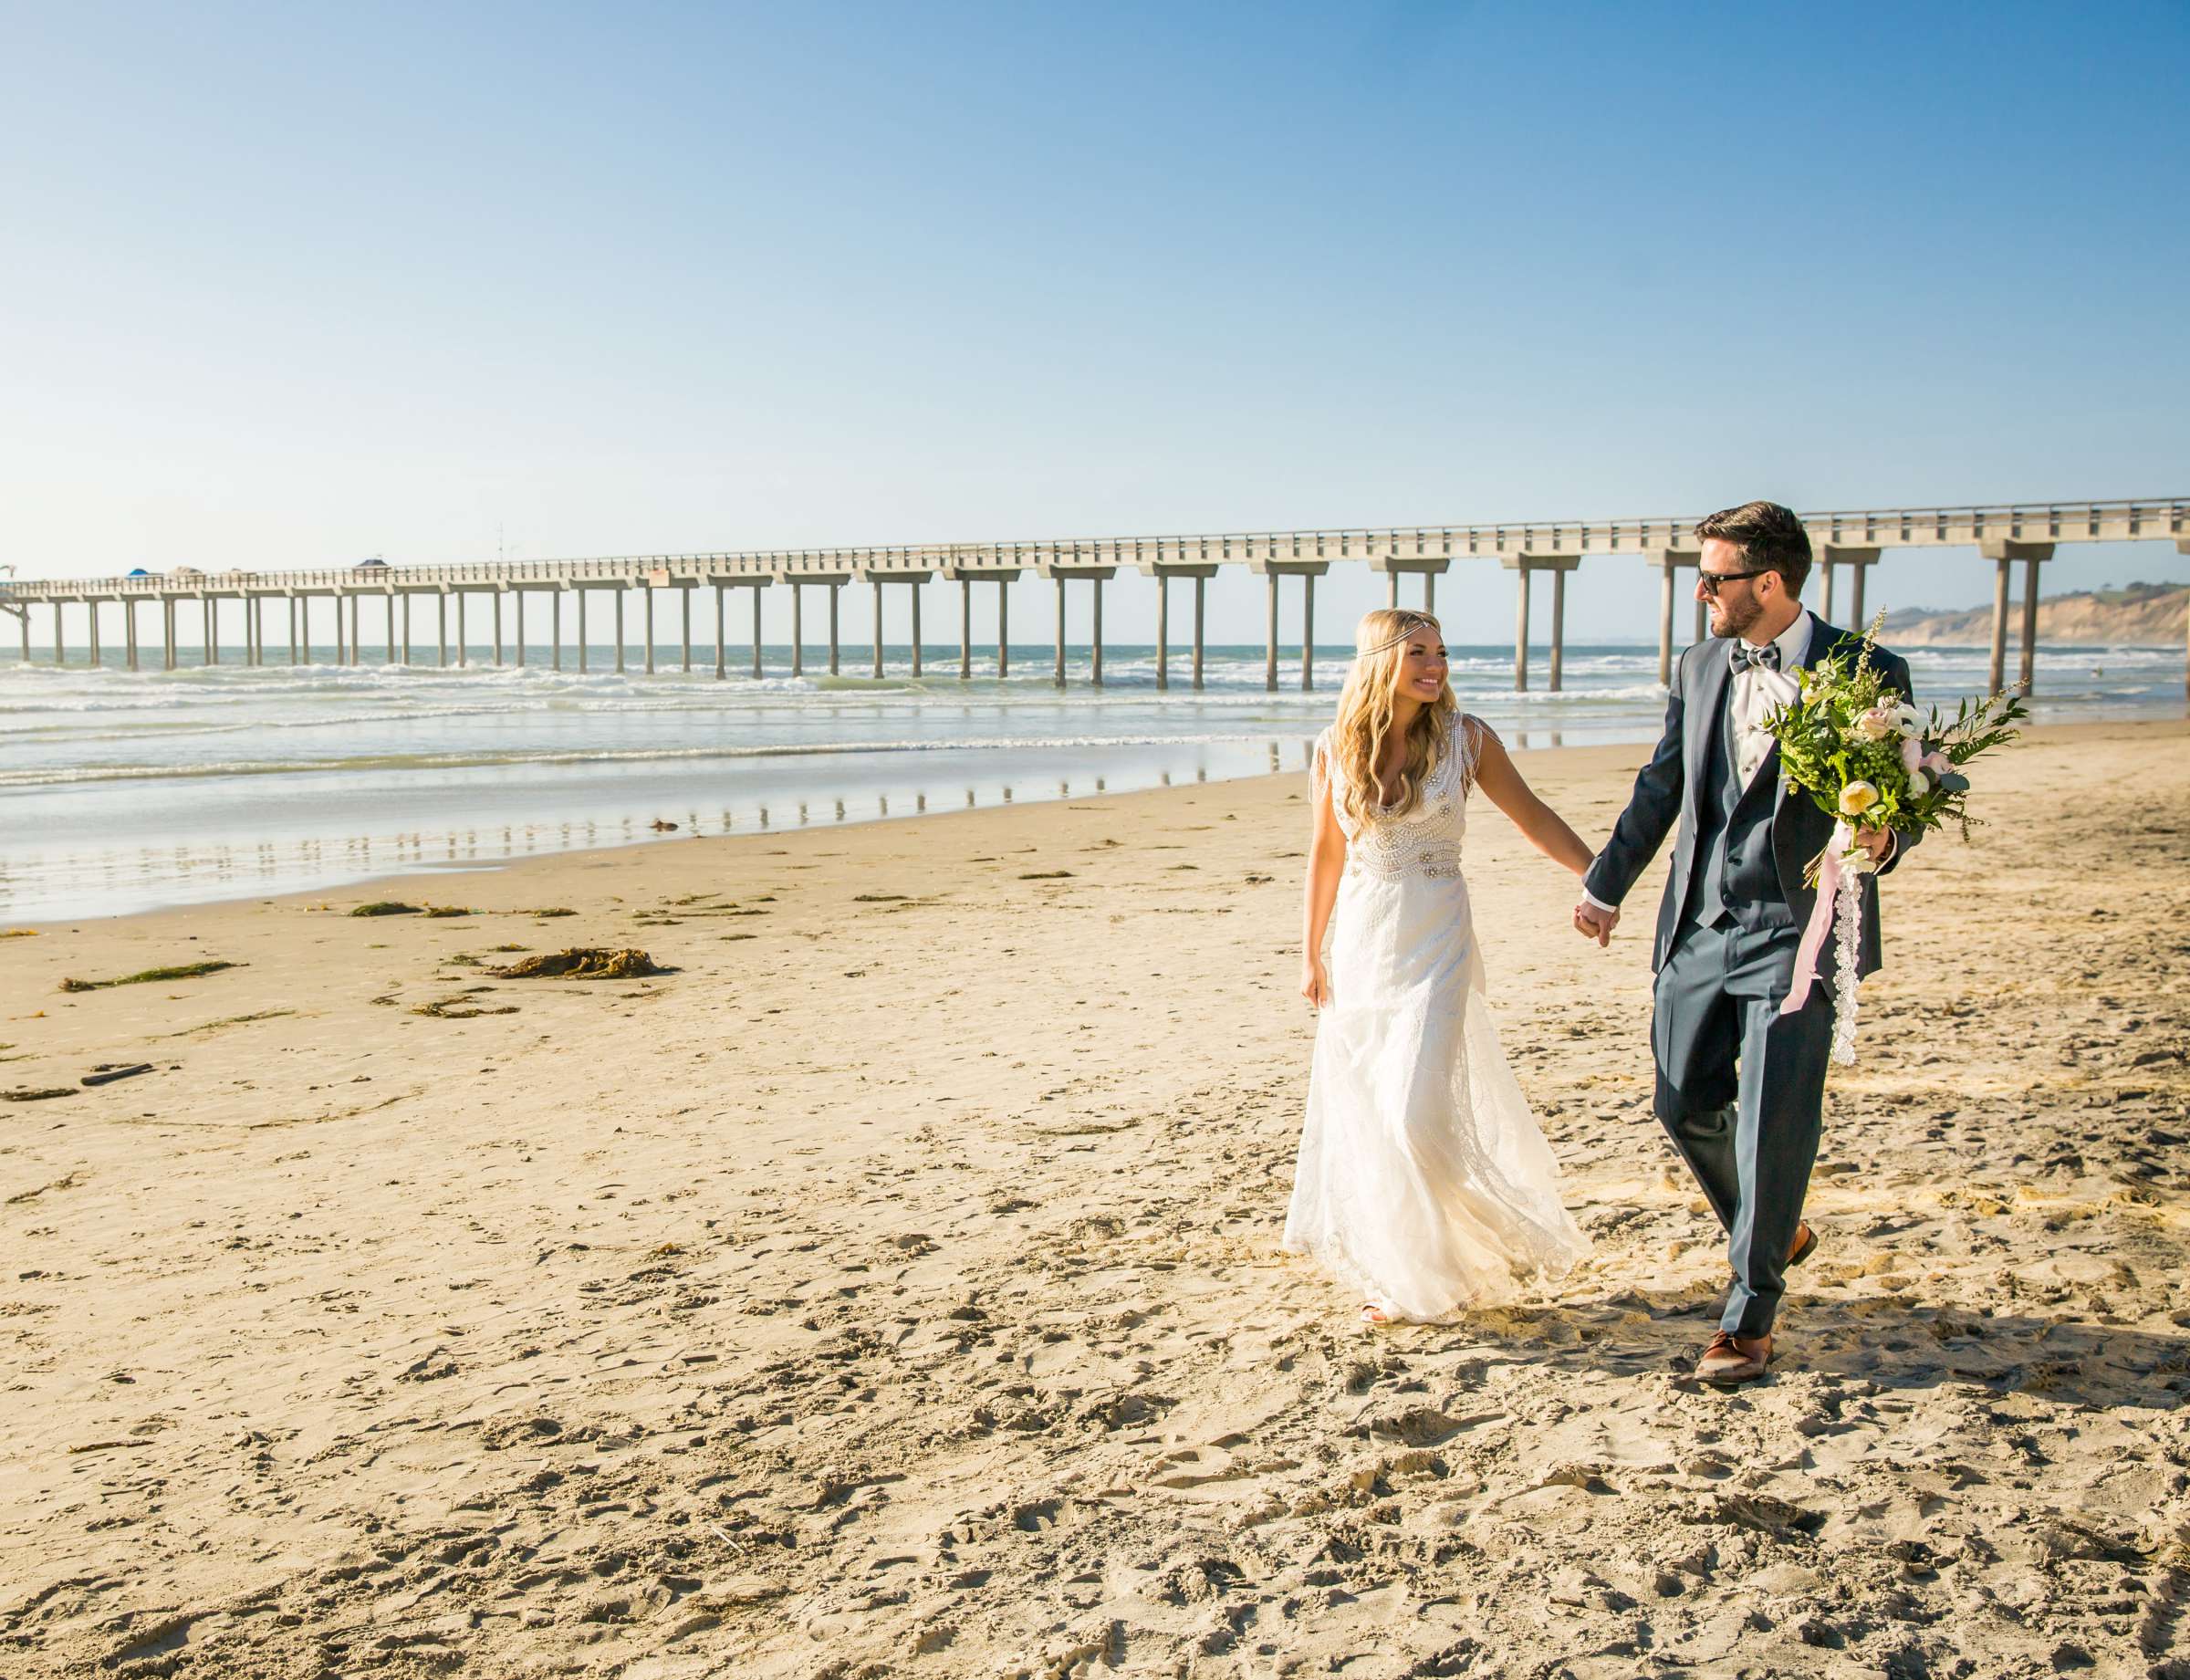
1591	923
1315	985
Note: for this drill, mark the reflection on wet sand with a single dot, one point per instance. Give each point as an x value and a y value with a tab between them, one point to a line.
76	880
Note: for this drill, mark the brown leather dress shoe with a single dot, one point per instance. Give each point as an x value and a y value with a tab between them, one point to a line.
1735	1359
1805	1245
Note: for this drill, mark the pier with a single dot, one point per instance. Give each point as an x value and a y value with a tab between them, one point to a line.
2018	537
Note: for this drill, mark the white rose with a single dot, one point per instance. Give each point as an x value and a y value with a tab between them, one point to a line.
1919	784
1857	798
1908	720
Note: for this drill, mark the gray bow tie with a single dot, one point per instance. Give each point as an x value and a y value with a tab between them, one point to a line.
1746	656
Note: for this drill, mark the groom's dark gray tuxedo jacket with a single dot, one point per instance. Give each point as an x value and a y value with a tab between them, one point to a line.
1684	779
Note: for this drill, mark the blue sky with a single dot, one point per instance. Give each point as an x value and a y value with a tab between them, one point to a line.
289	286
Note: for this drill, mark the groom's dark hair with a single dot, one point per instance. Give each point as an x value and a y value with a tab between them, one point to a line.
1770	538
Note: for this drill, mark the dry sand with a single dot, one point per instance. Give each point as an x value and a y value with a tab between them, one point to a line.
894	1288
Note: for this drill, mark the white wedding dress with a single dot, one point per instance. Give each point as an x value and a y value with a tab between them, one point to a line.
1423	1182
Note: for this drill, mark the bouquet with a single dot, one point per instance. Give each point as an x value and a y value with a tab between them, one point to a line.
1869	759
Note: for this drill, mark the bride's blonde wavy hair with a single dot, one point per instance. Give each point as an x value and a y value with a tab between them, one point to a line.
1364	719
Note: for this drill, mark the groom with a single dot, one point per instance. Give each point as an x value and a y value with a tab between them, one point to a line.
1740	1087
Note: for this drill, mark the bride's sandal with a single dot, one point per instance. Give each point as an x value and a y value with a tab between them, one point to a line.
1372	1313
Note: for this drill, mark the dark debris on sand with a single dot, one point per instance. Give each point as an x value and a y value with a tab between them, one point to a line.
583	963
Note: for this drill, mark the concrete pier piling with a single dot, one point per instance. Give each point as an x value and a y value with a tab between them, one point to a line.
1523	565
1307	632
799	630
966	630
1060	677
1273	568
1077	565
893	569
1831	557
616	591
723	583
2004	552
1269	636
555	624
582	632
1670	562
965	577
685	621
1429	568
1201	626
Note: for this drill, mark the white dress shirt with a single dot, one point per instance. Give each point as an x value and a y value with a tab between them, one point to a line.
1759	692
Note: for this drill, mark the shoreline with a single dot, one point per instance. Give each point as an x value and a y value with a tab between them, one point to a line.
434	855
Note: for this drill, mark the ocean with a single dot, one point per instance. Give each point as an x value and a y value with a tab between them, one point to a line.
121	792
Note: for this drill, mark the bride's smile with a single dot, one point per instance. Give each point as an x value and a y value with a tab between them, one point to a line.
1423	670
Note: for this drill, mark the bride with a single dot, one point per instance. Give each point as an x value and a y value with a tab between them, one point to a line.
1423	1182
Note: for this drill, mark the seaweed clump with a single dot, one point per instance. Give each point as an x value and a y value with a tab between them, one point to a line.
385	907
582	962
181	971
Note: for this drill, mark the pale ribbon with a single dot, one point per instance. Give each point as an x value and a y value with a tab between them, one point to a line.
1820	927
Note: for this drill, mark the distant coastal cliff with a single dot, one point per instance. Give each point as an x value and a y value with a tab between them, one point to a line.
2143	613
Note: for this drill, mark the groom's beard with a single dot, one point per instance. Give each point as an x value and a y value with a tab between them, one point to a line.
1730	618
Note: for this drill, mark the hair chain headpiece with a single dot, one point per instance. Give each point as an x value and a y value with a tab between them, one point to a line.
1413	621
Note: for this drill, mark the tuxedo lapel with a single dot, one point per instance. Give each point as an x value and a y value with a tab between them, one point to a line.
1704	721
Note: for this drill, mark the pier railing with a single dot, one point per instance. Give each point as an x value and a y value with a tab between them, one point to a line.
2131	520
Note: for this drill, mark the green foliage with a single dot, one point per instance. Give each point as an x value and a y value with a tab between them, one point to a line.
1847	726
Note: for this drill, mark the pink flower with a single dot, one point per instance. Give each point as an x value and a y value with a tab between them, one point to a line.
1935	763
1912	754
1875	725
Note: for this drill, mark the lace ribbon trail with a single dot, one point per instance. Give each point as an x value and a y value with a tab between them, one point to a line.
1820	927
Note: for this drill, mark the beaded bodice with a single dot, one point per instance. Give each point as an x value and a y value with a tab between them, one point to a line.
1425	842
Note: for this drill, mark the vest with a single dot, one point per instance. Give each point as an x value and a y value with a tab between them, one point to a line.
1740	881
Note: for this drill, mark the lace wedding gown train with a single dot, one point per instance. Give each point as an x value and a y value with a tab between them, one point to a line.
1423	1182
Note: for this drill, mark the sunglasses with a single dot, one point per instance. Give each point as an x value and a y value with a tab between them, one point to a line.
1712	579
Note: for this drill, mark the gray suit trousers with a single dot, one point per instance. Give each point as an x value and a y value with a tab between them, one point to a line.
1741	1090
